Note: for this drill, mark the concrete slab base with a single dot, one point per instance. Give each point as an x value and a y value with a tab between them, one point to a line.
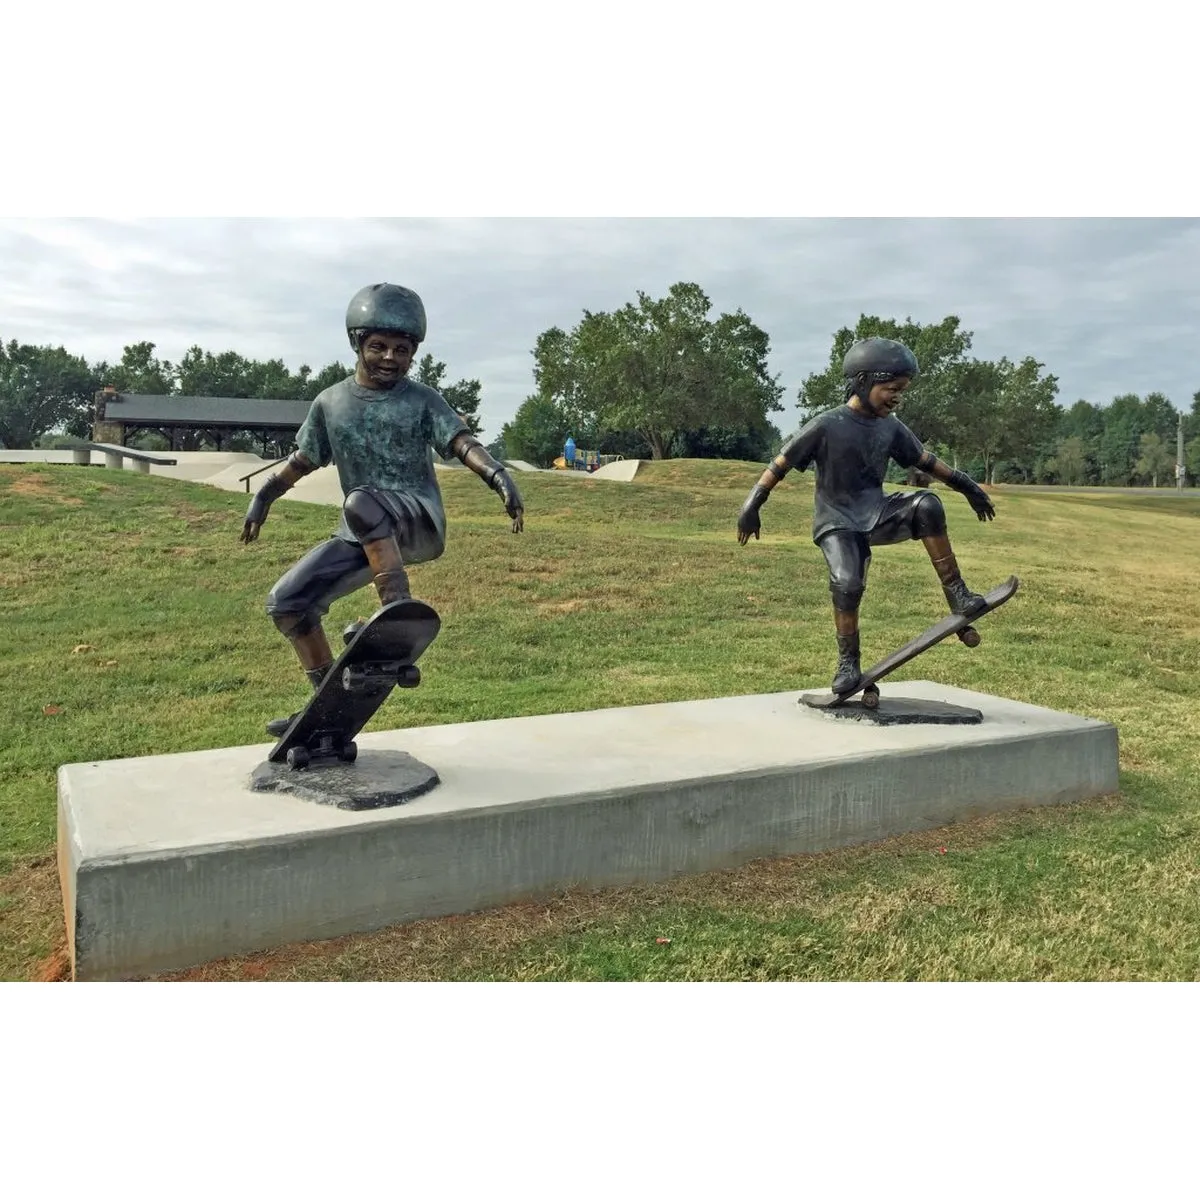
174	860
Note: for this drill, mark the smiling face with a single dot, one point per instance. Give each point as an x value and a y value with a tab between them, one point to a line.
885	398
384	359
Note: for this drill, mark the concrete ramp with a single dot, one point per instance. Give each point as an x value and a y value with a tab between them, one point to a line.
173	860
622	471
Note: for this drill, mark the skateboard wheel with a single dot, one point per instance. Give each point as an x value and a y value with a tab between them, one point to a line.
970	636
353	681
870	697
298	758
409	677
349	752
351	631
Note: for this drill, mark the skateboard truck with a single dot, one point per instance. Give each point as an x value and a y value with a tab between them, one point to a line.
325	744
381	674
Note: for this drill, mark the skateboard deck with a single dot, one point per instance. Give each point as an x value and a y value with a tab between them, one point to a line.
381	656
946	627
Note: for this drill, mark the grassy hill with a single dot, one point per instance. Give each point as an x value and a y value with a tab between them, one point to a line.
133	624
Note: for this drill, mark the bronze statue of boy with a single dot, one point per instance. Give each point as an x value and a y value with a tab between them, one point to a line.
378	427
850	447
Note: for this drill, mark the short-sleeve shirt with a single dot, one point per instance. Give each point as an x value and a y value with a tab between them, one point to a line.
384	440
849	453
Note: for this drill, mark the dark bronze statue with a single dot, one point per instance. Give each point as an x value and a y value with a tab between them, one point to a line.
850	447
378	427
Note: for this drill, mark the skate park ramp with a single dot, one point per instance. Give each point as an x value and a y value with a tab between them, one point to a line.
199	466
622	471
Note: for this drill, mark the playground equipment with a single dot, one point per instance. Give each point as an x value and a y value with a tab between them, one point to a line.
574	459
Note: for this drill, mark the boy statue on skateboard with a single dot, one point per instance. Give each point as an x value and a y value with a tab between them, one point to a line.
377	426
850	447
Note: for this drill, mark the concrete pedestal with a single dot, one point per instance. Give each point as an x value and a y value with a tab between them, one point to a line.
174	860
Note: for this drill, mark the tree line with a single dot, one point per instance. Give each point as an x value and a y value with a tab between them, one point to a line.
662	378
1000	421
48	394
667	378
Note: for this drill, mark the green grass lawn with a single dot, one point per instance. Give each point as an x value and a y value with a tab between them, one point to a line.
133	624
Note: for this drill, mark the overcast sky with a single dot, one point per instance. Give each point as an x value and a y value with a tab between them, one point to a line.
1110	306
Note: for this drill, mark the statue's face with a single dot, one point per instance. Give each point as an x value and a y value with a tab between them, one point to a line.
885	397
385	358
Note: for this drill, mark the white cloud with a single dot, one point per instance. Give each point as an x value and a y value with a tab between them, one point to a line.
1109	306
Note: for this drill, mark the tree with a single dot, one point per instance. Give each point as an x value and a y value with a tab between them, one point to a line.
1010	407
1156	457
1159	416
1191	457
1083	422
537	433
139	372
201	373
1119	442
657	368
927	405
757	443
273	381
43	388
326	377
1069	463
463	396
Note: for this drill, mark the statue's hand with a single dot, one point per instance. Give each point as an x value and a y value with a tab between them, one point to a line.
978	499
256	514
749	524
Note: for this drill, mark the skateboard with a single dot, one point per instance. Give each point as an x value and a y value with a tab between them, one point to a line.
380	655
954	624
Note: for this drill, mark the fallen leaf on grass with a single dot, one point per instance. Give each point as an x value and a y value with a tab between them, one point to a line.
51	710
662	941
82	649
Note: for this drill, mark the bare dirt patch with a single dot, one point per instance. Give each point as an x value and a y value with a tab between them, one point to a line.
33	938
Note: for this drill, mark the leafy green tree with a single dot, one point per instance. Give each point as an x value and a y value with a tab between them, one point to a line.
537	432
202	373
1011	409
1123	429
1085	422
659	367
756	443
1070	461
43	388
139	371
464	396
273	381
326	377
1191	457
1156	457
1160	416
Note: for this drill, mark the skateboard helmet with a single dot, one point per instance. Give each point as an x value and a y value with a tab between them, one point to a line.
385	308
876	360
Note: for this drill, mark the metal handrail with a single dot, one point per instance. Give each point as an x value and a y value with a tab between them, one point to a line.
258	470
